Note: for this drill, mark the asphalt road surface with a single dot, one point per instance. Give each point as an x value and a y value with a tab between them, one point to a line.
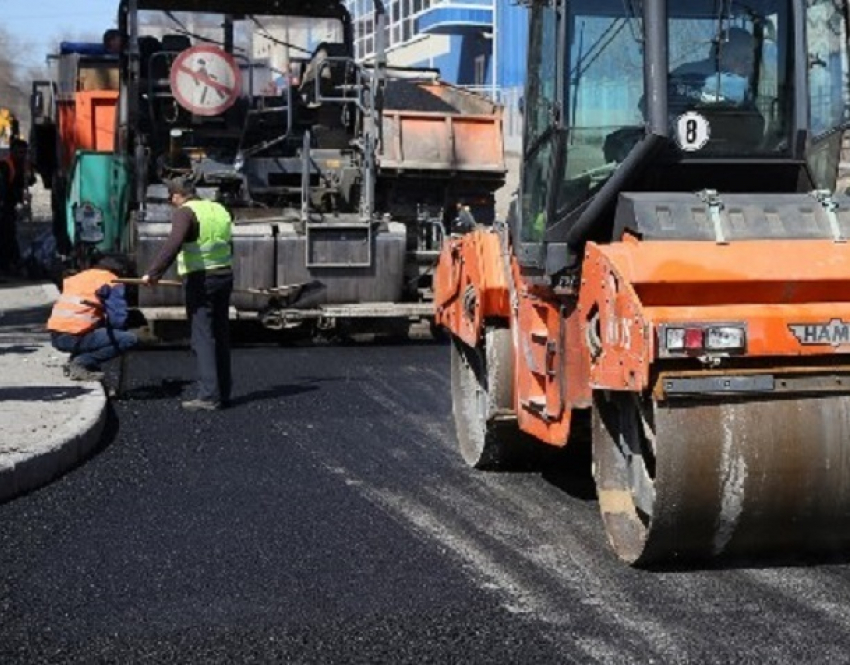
327	518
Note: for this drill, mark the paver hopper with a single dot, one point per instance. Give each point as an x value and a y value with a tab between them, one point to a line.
335	171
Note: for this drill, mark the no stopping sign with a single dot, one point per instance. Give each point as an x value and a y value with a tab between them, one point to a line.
205	80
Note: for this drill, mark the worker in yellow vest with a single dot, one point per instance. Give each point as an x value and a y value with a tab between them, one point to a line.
89	319
200	242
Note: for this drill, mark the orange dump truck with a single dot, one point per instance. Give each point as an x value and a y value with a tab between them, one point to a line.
73	115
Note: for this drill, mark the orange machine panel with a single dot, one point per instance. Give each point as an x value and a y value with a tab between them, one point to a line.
67	125
95	120
793	297
87	122
551	362
690	273
470	284
616	334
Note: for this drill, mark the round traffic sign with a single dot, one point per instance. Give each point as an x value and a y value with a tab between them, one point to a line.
205	80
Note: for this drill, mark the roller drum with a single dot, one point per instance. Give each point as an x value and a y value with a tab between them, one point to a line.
693	480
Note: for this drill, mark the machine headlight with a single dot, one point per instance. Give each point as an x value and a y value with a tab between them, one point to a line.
696	338
675	339
725	338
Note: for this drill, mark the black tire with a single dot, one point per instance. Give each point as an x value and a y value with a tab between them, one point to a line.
59	224
438	333
482	402
624	469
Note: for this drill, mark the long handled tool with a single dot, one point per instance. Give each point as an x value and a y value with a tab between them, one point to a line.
300	295
276	290
140	282
296	296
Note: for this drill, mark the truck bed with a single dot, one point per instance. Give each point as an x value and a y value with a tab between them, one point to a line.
431	126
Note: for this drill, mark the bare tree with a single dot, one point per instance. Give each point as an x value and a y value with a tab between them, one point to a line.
14	86
16	80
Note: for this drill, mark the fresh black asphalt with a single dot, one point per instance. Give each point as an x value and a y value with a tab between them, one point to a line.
327	518
223	537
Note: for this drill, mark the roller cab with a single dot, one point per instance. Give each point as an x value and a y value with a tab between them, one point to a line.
675	265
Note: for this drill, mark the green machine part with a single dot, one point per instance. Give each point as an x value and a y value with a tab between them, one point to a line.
97	200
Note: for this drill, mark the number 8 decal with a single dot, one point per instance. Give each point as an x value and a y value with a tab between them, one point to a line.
692	131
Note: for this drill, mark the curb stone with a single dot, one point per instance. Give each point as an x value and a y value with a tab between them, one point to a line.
41	461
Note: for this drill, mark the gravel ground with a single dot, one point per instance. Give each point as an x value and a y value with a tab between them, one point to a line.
34	226
40	202
36	220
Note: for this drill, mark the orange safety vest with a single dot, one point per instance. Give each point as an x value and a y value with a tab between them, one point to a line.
78	309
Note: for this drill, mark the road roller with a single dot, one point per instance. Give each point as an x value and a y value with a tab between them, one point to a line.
675	270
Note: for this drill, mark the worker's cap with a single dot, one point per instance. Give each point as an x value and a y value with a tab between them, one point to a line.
182	186
114	264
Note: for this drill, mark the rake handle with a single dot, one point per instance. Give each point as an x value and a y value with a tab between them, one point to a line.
172	282
134	280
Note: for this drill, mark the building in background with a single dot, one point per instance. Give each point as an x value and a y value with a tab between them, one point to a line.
480	44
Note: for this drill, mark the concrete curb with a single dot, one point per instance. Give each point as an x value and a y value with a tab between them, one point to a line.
50	292
66	446
29	471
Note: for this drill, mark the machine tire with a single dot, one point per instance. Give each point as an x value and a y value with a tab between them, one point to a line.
395	332
438	333
59	223
623	469
482	401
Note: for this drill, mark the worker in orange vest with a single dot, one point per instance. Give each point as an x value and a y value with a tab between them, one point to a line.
89	320
15	177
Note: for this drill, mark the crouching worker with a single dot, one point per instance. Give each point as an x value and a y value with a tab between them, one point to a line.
89	320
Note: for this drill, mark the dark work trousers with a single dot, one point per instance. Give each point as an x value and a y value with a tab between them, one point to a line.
9	252
207	308
95	347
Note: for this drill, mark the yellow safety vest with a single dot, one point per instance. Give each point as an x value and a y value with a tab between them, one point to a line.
212	248
538	227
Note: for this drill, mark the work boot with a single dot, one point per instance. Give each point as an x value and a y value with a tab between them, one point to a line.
201	405
77	372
